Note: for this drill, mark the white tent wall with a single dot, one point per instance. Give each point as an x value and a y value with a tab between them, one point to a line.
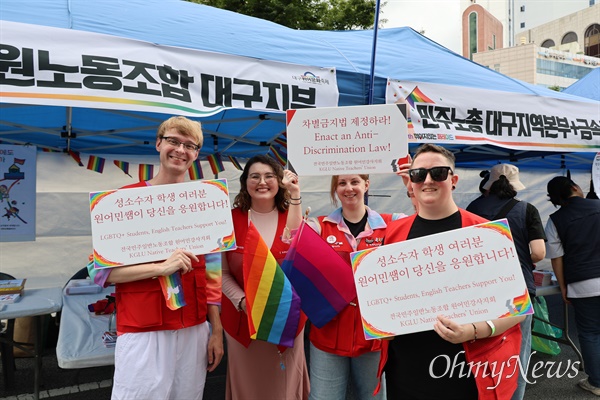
63	227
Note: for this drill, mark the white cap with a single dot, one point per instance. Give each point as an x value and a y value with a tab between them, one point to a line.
511	173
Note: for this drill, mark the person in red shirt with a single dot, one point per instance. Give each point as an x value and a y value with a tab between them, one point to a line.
163	353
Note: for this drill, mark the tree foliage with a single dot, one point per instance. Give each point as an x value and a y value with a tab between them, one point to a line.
305	14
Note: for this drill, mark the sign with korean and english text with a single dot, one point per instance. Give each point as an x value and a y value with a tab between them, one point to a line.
136	225
53	66
468	275
445	114
347	140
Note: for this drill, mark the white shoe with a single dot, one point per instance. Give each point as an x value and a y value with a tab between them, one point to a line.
585	385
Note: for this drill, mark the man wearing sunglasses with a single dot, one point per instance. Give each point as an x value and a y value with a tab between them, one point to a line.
410	373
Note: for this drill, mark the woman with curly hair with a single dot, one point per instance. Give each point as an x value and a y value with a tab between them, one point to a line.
258	369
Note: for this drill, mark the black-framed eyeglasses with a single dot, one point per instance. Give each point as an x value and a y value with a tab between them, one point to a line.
175	143
438	174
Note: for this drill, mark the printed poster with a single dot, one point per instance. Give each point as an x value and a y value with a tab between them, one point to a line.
137	225
17	193
470	274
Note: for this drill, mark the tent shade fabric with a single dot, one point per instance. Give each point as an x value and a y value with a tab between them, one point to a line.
402	54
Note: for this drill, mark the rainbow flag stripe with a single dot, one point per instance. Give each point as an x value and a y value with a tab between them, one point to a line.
282	140
146	172
97	196
279	155
96	164
172	290
219	183
101	262
195	171
123	166
216	163
49	150
520	305
416	96
373	333
273	305
235	163
320	276
500	226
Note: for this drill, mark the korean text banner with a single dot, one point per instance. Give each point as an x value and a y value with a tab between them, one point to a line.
142	224
347	140
55	66
460	115
469	274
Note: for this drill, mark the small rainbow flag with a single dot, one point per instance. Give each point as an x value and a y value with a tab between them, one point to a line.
123	166
321	277
235	163
273	305
146	172
172	290
49	150
195	171
216	164
75	156
416	96
96	164
279	155
19	161
282	140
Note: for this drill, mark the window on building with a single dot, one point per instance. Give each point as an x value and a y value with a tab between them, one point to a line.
522	25
569	37
497	67
494	41
472	34
522	8
548	43
591	41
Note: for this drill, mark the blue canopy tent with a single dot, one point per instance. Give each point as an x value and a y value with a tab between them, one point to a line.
588	86
401	53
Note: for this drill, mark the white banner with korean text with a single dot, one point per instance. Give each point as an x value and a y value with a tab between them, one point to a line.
469	274
368	139
136	225
55	66
446	114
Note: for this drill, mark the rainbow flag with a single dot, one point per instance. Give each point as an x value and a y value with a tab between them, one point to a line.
273	305
19	161
216	164
235	163
321	277
146	172
96	164
195	171
49	150
75	156
279	155
172	290
416	96
123	166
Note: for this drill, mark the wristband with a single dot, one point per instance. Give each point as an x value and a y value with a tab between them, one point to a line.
475	329
299	198
296	204
492	326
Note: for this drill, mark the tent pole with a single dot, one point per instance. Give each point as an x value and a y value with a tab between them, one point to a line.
372	76
69	126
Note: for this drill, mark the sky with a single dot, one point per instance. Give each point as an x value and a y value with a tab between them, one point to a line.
437	17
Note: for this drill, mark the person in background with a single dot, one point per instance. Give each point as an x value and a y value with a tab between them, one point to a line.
407	359
573	241
258	369
163	353
339	352
528	235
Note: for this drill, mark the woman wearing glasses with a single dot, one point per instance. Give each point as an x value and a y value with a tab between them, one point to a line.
258	369
339	352
409	361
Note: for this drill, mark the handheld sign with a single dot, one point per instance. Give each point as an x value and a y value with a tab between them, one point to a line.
469	274
347	140
136	225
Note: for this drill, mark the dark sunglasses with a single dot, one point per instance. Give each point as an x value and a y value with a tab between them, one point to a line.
438	174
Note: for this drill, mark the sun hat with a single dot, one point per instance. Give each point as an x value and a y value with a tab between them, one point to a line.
511	173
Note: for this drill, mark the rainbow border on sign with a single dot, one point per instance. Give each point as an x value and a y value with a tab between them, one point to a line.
96	197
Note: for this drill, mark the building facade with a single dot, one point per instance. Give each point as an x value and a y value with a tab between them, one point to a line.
483	31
